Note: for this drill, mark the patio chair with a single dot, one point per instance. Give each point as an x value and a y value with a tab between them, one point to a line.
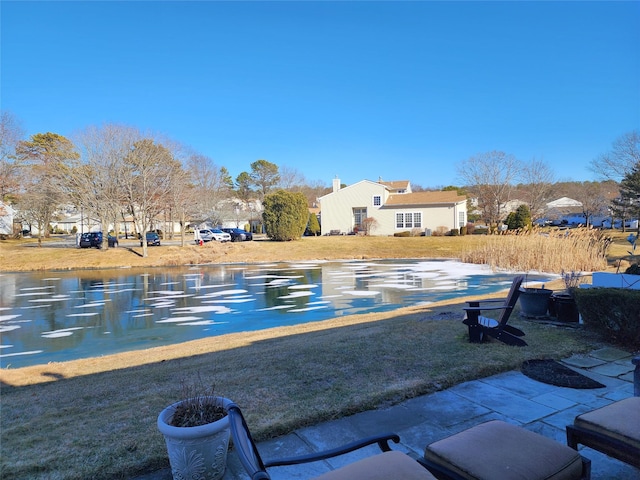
498	450
480	327
613	430
388	465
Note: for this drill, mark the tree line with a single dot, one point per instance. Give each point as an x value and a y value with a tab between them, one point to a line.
494	178
114	171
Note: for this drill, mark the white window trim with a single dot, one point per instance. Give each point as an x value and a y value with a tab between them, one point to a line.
412	220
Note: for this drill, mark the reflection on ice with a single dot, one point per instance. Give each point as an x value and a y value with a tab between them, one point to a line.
98	312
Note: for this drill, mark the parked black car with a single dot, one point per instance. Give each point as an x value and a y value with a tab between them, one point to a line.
238	235
153	239
91	239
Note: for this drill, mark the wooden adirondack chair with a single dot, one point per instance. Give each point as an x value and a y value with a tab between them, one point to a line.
480	327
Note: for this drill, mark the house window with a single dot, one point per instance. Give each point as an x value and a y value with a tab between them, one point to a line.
409	220
359	214
461	220
377	201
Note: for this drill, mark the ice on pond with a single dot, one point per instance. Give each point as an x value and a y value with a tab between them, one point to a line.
304	293
178	319
362	293
122	310
64	332
203	308
302	287
307	309
8	328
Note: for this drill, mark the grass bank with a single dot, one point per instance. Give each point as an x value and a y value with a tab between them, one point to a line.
96	418
546	251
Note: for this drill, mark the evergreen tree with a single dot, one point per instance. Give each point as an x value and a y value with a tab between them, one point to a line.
521	218
314	225
285	215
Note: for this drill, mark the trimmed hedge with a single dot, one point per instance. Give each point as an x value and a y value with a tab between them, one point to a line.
613	312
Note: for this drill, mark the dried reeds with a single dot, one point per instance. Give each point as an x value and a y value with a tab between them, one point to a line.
553	251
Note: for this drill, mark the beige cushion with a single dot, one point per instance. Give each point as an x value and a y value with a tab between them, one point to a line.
619	420
498	450
385	466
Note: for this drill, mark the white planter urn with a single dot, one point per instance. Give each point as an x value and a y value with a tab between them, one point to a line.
196	453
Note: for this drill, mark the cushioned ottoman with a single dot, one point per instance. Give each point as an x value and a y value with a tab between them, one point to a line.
392	465
613	430
497	450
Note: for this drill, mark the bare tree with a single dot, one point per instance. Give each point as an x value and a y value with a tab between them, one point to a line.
620	161
291	179
489	176
212	185
594	199
538	179
11	134
48	158
95	186
182	194
147	176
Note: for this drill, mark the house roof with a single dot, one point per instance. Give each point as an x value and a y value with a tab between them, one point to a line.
425	198
396	184
564	202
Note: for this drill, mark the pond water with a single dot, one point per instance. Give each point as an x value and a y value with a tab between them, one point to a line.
53	317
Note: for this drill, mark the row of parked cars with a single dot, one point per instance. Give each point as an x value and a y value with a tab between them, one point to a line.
223	235
94	239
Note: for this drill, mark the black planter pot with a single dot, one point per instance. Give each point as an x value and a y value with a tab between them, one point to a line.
534	302
566	308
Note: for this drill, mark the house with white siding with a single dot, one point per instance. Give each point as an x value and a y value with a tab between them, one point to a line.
6	219
394	207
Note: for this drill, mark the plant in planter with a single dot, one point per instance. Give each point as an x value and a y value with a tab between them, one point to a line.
196	432
564	304
534	302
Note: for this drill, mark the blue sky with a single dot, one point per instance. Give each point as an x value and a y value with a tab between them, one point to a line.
357	90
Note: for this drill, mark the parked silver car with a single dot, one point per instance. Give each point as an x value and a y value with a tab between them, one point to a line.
214	234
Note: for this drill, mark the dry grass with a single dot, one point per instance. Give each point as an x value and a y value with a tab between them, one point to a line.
60	253
95	418
553	251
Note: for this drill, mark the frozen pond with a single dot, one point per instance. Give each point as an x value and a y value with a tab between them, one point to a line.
60	316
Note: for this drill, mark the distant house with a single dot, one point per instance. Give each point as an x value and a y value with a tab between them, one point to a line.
6	219
394	207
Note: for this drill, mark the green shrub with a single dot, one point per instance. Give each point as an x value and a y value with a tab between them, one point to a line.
402	234
454	232
633	269
285	215
463	230
313	227
612	312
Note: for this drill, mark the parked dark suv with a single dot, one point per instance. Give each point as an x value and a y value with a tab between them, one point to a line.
91	239
153	239
238	235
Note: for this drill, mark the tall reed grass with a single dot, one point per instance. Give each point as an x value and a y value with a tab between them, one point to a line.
553	251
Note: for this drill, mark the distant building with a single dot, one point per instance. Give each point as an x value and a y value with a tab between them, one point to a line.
6	219
394	207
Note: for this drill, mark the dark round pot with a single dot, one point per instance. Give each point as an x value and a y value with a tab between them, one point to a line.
534	302
566	308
